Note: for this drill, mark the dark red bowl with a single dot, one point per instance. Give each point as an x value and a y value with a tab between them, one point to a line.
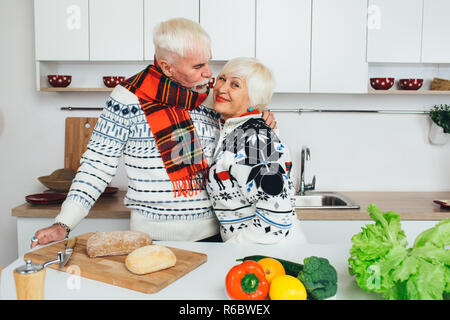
410	84
45	198
112	81
382	83
59	80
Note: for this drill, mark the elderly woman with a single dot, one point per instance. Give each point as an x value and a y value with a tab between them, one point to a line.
249	181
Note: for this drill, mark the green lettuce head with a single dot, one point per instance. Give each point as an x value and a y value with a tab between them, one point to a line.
377	251
382	263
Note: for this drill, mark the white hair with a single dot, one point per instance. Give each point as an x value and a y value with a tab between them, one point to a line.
174	38
259	79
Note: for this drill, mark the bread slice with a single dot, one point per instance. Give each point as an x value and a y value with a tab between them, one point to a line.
150	259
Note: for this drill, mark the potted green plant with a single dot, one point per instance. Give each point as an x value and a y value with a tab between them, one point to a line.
440	127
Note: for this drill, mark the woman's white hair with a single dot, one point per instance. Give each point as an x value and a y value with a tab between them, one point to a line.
259	79
176	37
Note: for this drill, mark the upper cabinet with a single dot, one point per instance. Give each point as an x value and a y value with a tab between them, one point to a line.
61	29
436	35
394	30
80	30
408	31
283	41
319	46
156	11
338	58
231	26
116	30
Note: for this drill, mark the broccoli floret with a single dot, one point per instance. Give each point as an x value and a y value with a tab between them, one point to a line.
319	278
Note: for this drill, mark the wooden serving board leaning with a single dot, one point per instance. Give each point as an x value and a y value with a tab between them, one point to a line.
112	269
78	133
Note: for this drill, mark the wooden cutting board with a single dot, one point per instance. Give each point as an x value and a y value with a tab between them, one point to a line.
112	269
78	133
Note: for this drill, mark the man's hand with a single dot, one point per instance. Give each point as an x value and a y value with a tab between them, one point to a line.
269	118
49	234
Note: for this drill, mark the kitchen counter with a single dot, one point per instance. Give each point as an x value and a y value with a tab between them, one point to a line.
207	282
328	233
105	207
410	205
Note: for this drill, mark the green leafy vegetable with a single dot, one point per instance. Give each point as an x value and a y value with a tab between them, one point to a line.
377	251
382	263
319	277
439	235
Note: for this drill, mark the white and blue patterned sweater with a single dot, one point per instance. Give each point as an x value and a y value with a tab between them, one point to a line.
122	130
249	183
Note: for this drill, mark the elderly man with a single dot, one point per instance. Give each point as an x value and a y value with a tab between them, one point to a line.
156	120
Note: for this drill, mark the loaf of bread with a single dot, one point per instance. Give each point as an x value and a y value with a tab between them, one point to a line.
116	243
150	259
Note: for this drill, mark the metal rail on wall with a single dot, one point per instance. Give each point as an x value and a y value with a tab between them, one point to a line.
80	108
300	110
349	111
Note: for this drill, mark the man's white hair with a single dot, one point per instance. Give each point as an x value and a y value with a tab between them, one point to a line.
259	79
174	38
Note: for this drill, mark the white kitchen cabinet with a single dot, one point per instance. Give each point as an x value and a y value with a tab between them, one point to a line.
116	30
394	31
436	35
61	29
338	53
283	41
231	25
156	11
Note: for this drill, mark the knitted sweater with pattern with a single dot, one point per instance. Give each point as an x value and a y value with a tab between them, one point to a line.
249	182
123	130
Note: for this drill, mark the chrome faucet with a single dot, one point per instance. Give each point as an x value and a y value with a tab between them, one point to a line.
306	155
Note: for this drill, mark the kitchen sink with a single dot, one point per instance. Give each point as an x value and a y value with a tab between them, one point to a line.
324	200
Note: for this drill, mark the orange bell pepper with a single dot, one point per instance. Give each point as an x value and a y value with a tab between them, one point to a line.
247	281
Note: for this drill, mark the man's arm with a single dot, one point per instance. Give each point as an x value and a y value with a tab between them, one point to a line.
98	166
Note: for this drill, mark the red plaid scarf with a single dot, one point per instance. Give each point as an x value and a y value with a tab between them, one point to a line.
166	106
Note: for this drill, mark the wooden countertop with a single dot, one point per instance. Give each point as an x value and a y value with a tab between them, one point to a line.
106	207
410	206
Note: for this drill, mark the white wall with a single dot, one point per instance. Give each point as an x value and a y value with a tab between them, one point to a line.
348	151
367	152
